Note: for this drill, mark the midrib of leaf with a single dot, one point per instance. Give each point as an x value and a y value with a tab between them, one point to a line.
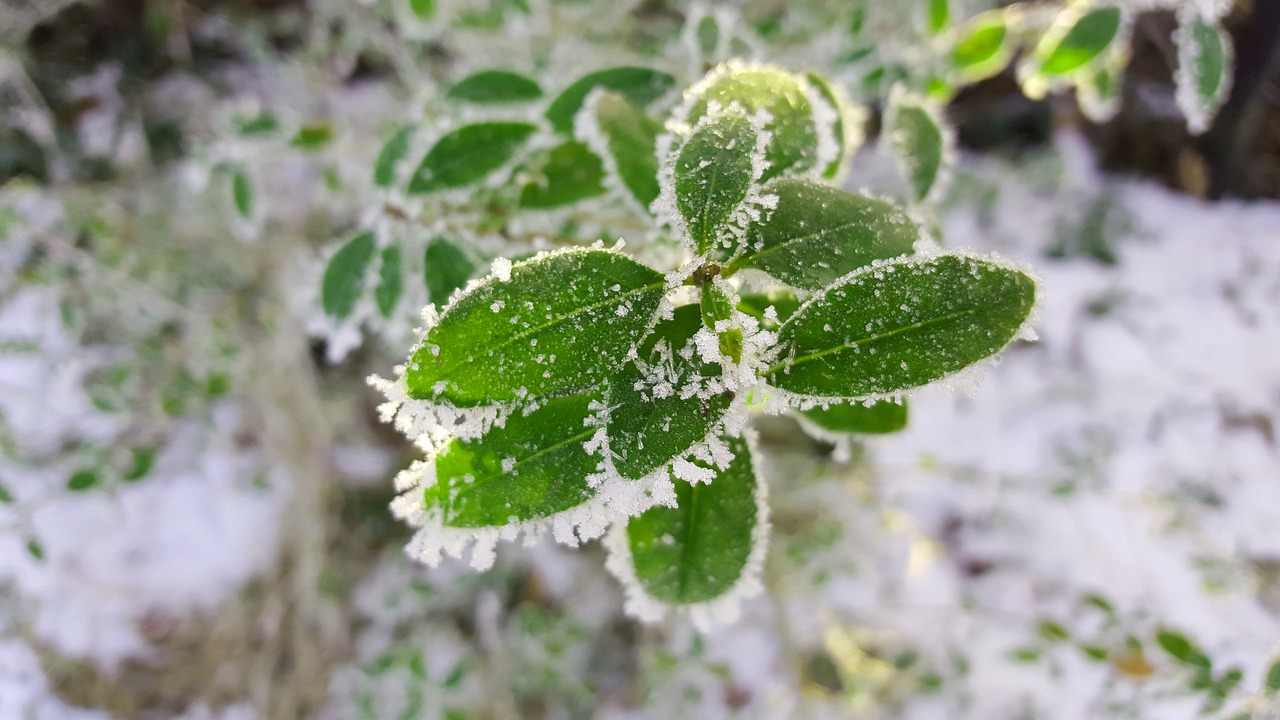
739	263
520	336
686	549
872	338
706	206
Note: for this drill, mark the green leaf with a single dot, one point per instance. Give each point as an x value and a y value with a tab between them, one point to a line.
980	43
818	233
561	323
242	193
468	154
824	89
495	86
783	301
533	467
1085	40
708	35
939	15
639	85
649	424
568	173
698	550
628	137
900	325
422	9
262	124
713	173
6	497
82	480
918	141
1204	68
881	417
1052	631
445	268
1182	649
794	145
343	280
390	281
35	549
312	136
389	158
141	461
717	304
1272	682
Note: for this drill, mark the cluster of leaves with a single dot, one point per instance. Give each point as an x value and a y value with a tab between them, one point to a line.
580	389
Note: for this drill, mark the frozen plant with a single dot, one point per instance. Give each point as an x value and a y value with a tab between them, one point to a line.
580	391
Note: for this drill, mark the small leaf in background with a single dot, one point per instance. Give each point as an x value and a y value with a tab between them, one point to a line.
142	459
794	144
469	154
312	136
445	269
494	87
639	85
83	480
343	280
838	129
698	550
1098	91
901	325
713	171
533	467
1181	648
6	497
262	124
1052	631
389	158
707	34
1089	35
783	301
1271	684
920	142
881	417
568	173
939	15
649	424
627	137
558	323
35	549
1204	68
242	193
818	233
980	49
390	281
422	9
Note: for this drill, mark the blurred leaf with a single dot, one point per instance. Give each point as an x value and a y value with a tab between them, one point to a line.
639	85
392	153
494	87
918	140
143	459
446	268
1085	40
1181	648
883	416
312	136
939	15
83	480
468	154
423	9
390	281
343	281
242	193
568	173
630	137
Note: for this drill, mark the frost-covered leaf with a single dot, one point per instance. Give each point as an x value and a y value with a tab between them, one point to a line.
713	172
343	281
899	325
389	158
650	423
533	467
980	47
818	233
939	15
494	87
242	193
708	548
795	143
626	138
920	141
1084	38
882	416
567	173
641	86
557	323
445	269
390	281
468	154
847	137
717	303
1204	68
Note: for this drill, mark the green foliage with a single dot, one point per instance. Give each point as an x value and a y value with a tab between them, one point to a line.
242	193
344	277
468	155
919	141
447	268
713	173
566	174
390	281
495	86
629	137
878	418
389	158
638	85
1085	39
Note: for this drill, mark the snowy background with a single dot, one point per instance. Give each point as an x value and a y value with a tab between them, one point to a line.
193	502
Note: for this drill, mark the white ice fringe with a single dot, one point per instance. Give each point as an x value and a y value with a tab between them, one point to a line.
704	615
